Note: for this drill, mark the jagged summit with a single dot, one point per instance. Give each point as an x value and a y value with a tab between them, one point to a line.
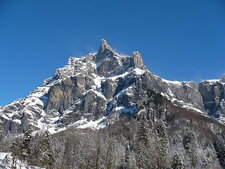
137	60
104	47
105	51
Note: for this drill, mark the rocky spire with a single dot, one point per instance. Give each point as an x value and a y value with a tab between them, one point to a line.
137	60
104	47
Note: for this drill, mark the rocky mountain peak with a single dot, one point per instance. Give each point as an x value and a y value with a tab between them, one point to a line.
137	60
105	51
104	47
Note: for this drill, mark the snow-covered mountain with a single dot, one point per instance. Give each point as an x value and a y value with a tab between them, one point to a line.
106	110
98	89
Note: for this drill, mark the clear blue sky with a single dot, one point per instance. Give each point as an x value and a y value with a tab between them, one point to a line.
178	39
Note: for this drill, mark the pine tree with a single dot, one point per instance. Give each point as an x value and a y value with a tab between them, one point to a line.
16	150
220	151
25	150
143	153
176	162
109	156
162	145
142	133
47	158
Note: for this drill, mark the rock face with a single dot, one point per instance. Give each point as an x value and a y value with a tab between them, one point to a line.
137	61
104	48
213	94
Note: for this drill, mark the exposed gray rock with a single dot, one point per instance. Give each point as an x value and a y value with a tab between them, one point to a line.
104	47
62	95
213	97
108	88
136	60
107	66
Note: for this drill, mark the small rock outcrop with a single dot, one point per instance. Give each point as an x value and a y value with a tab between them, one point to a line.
137	61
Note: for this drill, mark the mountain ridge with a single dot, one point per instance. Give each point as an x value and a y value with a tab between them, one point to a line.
113	79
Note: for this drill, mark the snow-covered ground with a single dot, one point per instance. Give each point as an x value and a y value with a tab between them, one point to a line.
7	162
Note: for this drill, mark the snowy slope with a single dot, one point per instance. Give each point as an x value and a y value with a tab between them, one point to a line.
7	162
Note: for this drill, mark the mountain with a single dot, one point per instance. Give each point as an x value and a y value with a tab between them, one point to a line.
100	88
109	95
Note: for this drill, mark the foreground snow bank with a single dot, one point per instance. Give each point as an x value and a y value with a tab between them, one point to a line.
7	162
